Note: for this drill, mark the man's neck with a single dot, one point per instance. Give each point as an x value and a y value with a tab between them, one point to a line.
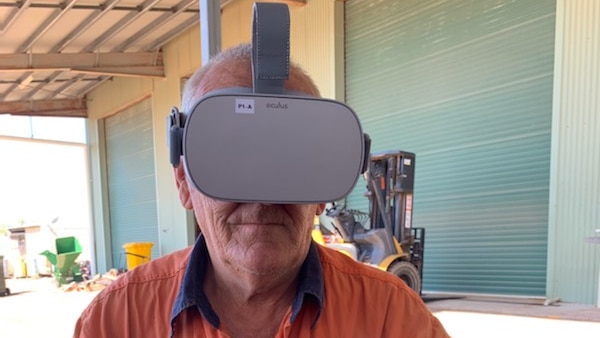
247	287
250	304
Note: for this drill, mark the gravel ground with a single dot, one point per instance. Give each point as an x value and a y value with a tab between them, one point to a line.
37	308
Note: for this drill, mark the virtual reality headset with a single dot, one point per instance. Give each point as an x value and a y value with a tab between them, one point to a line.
266	145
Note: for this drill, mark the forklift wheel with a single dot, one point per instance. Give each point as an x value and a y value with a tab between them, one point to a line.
408	273
6	292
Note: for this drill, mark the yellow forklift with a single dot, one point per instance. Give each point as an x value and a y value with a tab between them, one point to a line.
384	237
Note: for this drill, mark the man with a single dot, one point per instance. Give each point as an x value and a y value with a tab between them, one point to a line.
254	271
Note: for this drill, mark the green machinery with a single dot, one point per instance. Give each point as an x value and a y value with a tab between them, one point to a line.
66	270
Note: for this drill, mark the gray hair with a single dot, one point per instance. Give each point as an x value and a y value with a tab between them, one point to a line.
238	55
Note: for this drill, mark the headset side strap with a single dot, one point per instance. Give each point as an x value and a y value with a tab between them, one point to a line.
175	124
367	153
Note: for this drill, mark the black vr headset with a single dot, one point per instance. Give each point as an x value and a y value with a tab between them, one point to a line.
266	145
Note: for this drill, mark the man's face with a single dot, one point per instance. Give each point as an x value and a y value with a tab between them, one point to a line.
257	238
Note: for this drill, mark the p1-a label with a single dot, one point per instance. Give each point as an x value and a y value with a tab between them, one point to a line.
244	106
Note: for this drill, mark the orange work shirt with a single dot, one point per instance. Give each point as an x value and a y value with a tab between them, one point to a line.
336	297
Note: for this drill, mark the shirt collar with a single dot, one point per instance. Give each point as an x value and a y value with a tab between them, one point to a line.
191	293
310	283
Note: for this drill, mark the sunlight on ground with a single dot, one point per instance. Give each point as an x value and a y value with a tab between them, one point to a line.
477	325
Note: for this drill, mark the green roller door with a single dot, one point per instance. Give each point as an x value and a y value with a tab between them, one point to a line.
467	86
131	180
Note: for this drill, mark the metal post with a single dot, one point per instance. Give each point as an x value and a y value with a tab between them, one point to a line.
210	28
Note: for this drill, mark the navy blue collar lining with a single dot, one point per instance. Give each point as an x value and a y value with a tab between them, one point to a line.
310	282
191	293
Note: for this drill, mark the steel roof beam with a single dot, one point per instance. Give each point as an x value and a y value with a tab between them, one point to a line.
43	28
121	64
64	107
91	85
156	44
64	86
41	84
120	25
12	17
156	24
83	26
92	7
15	85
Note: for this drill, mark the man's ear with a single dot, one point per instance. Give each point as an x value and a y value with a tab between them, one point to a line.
320	209
183	187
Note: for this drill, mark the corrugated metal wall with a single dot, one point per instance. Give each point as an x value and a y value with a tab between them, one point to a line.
467	86
575	190
131	180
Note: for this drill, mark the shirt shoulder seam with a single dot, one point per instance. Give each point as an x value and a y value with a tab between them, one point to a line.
134	280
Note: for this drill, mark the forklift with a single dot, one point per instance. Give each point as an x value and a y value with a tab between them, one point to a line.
384	237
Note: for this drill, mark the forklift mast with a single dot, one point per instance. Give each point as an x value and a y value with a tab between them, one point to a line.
390	191
385	236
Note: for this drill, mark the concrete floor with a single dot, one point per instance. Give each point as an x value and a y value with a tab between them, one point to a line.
38	309
561	310
477	325
472	317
